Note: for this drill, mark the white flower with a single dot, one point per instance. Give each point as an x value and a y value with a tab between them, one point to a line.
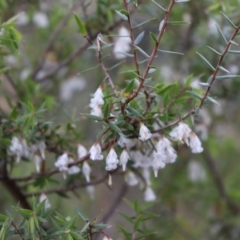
37	160
40	19
195	143
181	132
18	148
40	146
106	238
86	170
165	149
95	152
111	160
123	142
81	151
62	164
140	160
131	179
196	172
158	162
122	44
44	197
96	102
149	195
73	169
124	157
96	111
91	191
144	133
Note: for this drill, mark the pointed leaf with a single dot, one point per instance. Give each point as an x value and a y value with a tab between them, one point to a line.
223	69
153	37
140	50
206	61
80	25
224	77
212	100
139	38
215	51
221	34
234	26
121	15
196	95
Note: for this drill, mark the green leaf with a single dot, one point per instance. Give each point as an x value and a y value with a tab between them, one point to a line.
114	128
223	69
121	15
159	5
212	100
152	69
144	22
181	1
178	22
13	19
215	51
130	87
141	51
80	25
26	213
81	214
134	112
139	38
171	52
188	80
224	77
153	37
234	26
206	61
221	34
93	117
234	51
196	95
100	226
204	84
3	218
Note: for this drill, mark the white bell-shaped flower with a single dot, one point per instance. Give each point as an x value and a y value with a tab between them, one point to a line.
37	160
144	132
124	157
62	164
131	179
149	195
73	169
181	132
81	151
95	152
195	143
86	170
111	160
158	162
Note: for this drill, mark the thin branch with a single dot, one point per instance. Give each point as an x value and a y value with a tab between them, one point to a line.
68	188
219	65
116	202
53	38
159	37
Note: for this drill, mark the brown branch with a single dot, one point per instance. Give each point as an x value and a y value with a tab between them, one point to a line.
219	65
69	188
116	202
52	39
155	49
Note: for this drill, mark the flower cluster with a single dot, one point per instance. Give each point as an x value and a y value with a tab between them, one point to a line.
62	165
96	103
183	133
19	148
